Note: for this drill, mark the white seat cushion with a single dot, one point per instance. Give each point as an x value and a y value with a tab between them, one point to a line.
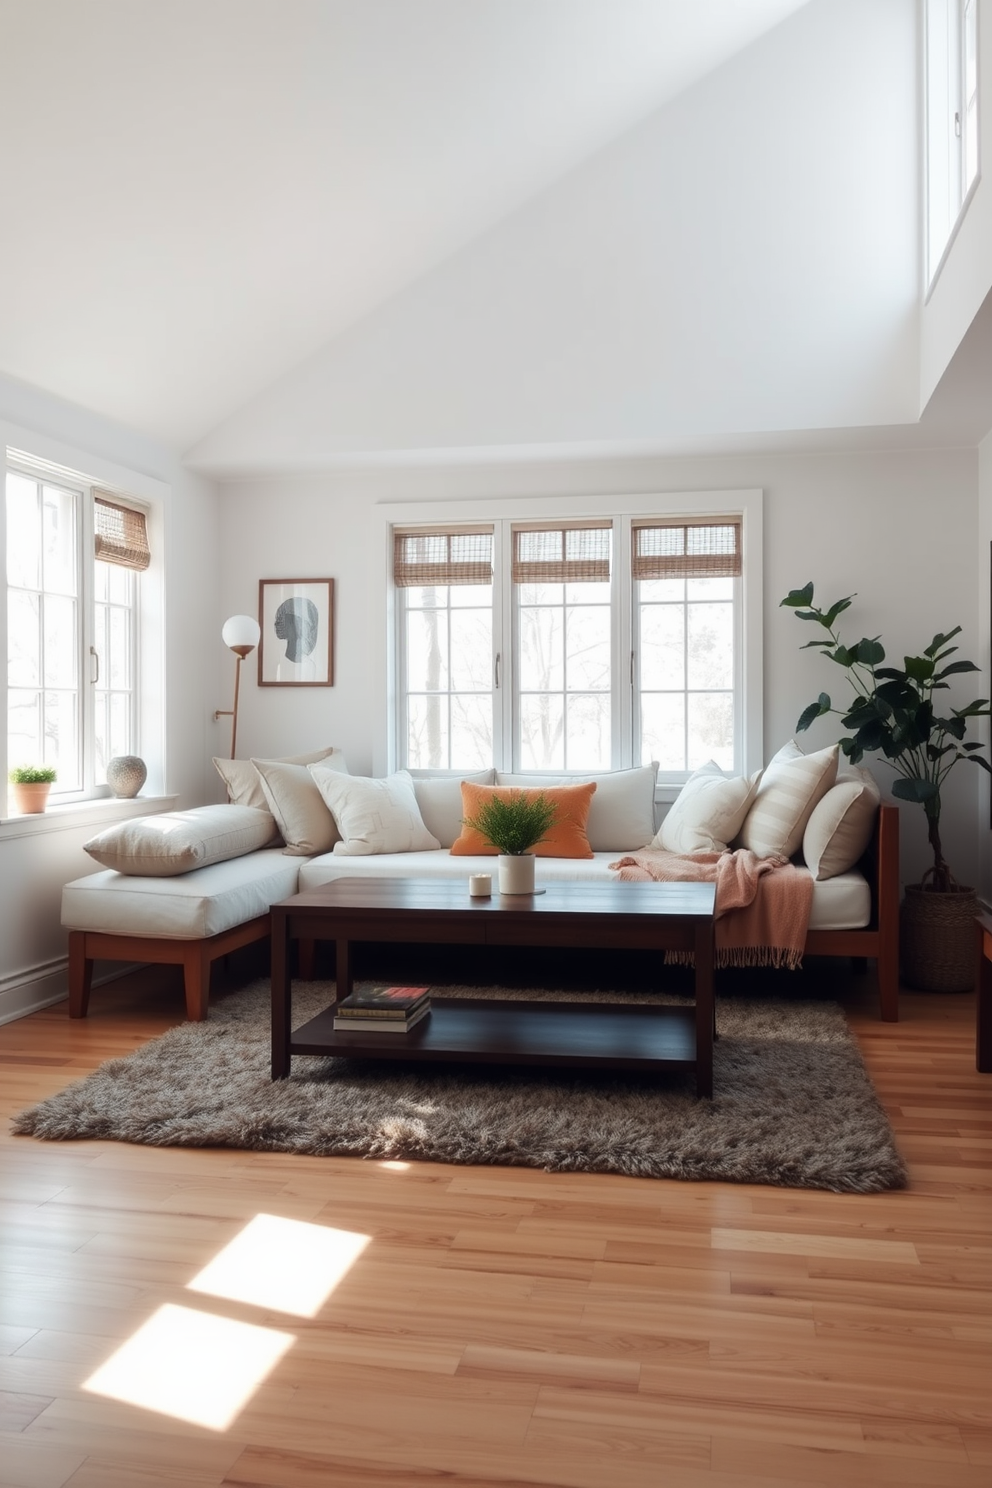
190	907
441	864
841	903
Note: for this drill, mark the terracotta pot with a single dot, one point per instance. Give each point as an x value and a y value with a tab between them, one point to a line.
30	800
937	939
516	873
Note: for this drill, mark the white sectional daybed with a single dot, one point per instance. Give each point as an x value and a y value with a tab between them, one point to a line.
173	904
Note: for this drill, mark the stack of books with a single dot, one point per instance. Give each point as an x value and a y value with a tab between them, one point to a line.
382	1009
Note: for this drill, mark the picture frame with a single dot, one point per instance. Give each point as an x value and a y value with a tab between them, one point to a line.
296	647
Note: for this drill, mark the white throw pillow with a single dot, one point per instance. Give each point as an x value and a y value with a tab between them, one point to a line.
621	815
840	827
179	841
297	805
440	800
373	816
708	811
244	788
790	787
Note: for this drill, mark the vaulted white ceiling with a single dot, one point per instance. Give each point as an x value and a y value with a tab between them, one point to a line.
197	195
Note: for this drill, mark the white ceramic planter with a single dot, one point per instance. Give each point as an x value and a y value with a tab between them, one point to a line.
516	873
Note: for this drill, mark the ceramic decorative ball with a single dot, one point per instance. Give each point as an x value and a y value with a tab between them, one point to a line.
126	775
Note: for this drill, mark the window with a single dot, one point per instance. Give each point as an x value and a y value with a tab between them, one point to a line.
73	558
951	119
563	613
574	646
686	614
446	579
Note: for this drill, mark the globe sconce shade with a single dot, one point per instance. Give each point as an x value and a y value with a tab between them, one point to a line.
241	635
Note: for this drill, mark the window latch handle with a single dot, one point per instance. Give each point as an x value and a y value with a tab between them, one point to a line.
96	665
496	672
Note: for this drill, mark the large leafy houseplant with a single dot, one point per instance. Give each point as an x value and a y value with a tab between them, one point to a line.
893	712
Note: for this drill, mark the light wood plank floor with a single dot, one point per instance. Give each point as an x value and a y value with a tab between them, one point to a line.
497	1326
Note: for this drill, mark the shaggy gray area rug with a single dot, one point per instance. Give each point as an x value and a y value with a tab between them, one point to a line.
793	1103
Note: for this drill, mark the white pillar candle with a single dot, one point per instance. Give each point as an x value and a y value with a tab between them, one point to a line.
480	885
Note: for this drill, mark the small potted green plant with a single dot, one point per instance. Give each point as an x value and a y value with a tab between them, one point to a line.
514	824
31	786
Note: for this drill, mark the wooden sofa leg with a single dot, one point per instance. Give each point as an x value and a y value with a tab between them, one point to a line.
887	971
80	975
196	975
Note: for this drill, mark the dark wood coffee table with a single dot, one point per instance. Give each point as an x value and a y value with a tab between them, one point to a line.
625	916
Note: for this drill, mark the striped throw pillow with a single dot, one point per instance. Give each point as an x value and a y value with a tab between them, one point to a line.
790	788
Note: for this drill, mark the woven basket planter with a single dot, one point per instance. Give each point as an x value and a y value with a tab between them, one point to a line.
937	939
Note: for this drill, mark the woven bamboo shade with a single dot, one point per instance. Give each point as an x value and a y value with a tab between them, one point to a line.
564	554
426	557
687	550
121	534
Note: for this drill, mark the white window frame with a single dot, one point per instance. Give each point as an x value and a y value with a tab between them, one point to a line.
38	456
746	503
737	685
948	190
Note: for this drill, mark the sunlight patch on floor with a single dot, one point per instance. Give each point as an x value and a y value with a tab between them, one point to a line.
191	1365
286	1265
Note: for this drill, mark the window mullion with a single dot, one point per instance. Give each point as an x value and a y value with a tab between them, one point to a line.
623	691
504	646
85	689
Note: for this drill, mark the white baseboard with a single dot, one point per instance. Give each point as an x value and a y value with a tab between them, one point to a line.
38	987
43	986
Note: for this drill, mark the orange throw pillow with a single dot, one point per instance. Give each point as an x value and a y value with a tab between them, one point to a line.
566	839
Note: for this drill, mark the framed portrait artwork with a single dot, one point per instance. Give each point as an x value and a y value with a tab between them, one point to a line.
297	622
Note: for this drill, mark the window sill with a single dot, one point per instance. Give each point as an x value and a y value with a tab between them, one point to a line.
76	814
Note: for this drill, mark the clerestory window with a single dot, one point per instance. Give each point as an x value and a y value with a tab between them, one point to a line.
952	124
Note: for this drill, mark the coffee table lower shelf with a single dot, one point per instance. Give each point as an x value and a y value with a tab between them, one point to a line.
479	1031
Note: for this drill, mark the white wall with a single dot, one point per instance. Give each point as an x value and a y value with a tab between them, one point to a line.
983	657
34	863
898	529
966	276
748	259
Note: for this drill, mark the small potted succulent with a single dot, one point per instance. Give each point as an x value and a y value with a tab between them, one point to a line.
31	786
513	825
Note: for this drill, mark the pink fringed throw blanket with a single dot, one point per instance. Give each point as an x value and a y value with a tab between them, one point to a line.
762	904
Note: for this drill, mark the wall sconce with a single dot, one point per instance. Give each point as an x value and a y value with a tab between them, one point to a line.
241	633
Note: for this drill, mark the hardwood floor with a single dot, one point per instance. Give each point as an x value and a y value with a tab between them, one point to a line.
497	1326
